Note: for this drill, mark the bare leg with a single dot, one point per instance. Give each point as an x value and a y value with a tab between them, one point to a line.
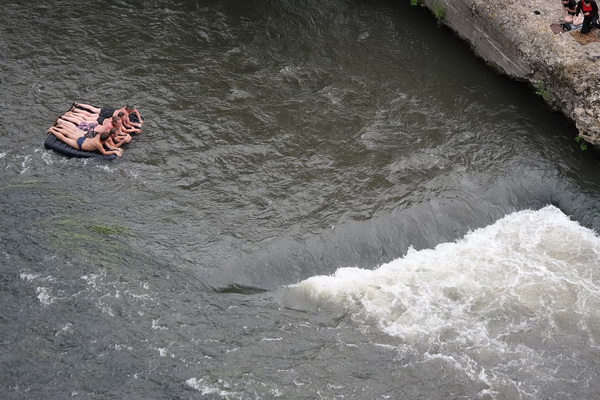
82	114
89	107
69	119
68	131
60	130
77	119
69	141
80	117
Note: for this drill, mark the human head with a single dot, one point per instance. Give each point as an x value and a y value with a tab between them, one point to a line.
116	120
104	137
121	114
113	131
130	105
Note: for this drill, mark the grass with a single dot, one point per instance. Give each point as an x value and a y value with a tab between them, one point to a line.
540	90
582	143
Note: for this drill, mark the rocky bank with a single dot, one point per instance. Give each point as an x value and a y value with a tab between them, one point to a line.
514	37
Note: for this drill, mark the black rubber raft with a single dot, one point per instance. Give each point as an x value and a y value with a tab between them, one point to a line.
54	143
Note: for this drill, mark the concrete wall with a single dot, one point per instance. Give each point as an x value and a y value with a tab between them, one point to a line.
514	37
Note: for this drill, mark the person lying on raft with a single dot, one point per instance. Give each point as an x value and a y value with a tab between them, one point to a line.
75	132
82	116
94	128
103	113
117	139
87	144
71	132
127	128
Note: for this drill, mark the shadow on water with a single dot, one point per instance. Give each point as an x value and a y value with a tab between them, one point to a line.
240	289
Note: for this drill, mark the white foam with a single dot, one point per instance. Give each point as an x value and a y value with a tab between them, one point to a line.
43	295
527	259
155	325
206	389
68	328
530	274
28	276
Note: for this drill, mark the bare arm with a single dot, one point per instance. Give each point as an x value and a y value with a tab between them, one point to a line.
105	152
139	117
130	130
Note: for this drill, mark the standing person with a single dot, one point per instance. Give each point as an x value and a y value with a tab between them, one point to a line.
589	8
569	9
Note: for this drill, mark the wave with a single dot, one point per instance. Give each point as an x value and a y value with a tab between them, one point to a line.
520	295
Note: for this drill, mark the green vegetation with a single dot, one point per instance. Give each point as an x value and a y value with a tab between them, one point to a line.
439	12
541	90
109	230
582	143
85	238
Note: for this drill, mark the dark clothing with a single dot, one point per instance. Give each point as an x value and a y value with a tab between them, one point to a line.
90	134
571	5
80	141
107	112
589	21
580	7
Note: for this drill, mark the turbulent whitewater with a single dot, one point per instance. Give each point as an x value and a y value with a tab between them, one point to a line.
512	305
329	200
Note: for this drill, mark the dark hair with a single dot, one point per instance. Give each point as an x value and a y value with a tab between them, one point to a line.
113	131
116	118
121	114
104	136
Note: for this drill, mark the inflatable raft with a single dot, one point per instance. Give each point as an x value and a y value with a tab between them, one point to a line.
53	143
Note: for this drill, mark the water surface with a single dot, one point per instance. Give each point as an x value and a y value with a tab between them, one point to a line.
286	142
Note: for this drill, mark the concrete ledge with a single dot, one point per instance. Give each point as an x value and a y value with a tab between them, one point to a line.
515	40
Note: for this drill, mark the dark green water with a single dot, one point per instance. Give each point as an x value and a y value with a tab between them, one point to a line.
284	140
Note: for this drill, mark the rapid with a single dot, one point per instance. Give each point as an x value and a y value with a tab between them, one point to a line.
330	199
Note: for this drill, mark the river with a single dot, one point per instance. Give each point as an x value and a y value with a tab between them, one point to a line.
330	199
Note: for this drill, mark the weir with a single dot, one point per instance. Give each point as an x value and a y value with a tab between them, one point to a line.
514	38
